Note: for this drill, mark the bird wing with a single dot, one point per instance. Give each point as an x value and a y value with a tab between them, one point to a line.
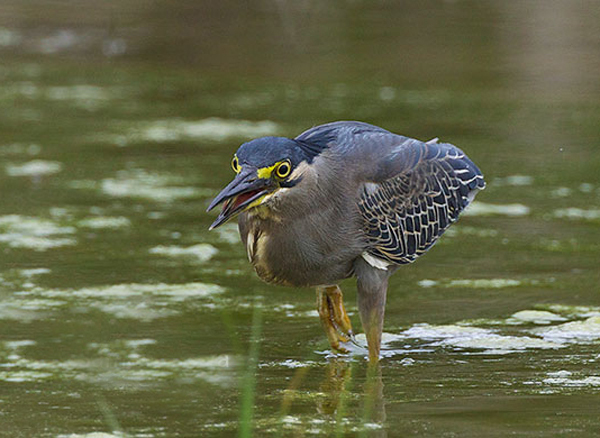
415	193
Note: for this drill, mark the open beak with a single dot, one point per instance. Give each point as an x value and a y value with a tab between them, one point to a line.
239	193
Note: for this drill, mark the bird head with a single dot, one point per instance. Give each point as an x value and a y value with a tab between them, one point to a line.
263	167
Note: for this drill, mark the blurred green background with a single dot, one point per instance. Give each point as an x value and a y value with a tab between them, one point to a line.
121	315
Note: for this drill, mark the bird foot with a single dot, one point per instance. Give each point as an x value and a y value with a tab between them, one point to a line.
334	318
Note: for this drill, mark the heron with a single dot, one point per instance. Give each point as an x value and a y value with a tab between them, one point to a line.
344	199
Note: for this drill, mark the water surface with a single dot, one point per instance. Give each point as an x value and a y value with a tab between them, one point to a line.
120	314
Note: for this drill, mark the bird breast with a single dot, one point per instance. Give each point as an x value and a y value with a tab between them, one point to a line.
299	252
256	243
260	255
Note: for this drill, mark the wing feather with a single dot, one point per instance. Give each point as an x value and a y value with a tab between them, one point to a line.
418	192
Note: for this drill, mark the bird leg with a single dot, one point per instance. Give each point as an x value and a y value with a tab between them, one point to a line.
371	293
334	318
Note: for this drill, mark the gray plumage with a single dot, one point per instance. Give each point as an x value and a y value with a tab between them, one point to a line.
360	201
369	190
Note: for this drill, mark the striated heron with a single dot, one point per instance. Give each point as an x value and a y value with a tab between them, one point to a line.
344	199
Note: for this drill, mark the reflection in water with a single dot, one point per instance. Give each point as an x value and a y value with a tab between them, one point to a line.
348	399
335	385
374	402
338	389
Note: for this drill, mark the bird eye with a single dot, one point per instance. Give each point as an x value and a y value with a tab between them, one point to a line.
235	165
283	169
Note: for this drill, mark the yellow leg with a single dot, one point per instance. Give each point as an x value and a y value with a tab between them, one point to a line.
334	318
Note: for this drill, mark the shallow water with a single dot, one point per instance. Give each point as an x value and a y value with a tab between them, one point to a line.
121	315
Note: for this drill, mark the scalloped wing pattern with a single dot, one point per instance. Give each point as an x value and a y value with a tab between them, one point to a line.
407	213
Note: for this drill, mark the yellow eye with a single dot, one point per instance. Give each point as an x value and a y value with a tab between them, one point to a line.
235	165
283	169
